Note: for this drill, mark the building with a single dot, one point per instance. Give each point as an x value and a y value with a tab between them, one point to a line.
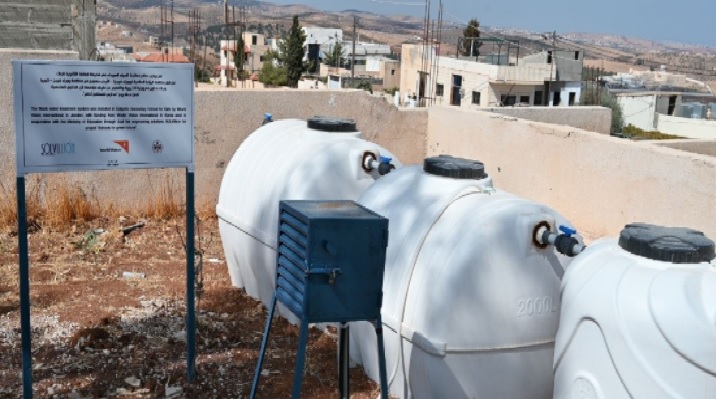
664	102
440	80
49	25
112	53
256	47
226	70
565	83
161	56
324	38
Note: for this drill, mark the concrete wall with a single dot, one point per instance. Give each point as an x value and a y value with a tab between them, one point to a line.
593	119
639	111
687	127
225	118
599	182
704	147
48	25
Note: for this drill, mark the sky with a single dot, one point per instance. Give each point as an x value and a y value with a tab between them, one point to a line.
692	22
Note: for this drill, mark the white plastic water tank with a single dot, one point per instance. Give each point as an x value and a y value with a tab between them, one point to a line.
319	159
639	318
470	301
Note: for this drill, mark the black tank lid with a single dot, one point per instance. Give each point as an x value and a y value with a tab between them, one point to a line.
667	244
456	168
329	124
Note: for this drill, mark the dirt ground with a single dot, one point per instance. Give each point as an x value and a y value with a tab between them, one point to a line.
99	334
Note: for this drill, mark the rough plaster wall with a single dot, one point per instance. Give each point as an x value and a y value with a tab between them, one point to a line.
36	24
593	119
225	118
598	182
704	147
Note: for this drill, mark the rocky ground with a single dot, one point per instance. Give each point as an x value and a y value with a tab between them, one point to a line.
108	319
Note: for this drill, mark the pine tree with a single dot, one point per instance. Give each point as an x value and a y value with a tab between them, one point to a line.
333	57
470	45
293	58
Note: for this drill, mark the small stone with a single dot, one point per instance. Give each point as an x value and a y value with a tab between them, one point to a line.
135	382
180	335
170	392
265	373
50	391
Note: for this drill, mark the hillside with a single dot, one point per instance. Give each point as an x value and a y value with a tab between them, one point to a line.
618	53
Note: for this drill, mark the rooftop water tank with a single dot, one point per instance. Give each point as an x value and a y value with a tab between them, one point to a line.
470	299
318	159
639	318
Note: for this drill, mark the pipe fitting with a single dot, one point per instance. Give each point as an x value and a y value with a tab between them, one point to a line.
563	243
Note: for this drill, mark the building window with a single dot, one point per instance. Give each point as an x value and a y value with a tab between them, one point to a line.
556	99
254	40
572	98
392	72
549	57
476	97
508	101
261	58
439	90
576	55
538	97
525	100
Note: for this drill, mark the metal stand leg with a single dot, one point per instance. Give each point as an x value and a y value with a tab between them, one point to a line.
381	359
300	359
24	255
257	375
343	361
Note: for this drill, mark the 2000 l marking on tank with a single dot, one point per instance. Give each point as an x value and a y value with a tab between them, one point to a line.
536	306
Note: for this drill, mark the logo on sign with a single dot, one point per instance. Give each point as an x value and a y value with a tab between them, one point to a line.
157	147
124	144
57	148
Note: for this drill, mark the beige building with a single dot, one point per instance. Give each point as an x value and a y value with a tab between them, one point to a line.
256	47
440	80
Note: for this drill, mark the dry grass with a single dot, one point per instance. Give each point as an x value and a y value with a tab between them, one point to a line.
166	202
57	202
69	203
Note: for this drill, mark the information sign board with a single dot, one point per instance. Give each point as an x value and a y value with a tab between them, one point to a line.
83	115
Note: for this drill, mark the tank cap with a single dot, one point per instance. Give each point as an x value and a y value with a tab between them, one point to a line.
666	244
456	168
328	124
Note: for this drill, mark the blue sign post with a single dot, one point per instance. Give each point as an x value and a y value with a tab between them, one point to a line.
79	116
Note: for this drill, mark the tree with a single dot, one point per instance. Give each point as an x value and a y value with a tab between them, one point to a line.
239	58
591	97
293	56
333	58
470	44
270	74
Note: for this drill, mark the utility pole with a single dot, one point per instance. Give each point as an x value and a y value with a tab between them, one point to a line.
551	67
353	55
172	22
226	42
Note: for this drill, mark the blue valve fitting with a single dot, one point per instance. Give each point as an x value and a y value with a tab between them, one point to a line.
567	231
